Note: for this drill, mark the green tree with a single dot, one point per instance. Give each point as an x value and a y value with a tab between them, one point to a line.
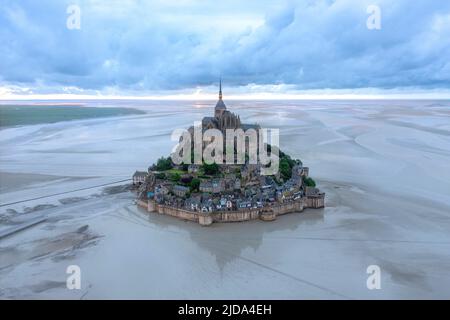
175	177
210	169
184	166
161	175
285	169
309	182
164	164
195	184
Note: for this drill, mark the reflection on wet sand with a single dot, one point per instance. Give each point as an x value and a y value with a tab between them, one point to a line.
383	165
226	241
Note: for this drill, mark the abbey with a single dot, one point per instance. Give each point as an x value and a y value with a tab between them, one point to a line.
224	119
238	189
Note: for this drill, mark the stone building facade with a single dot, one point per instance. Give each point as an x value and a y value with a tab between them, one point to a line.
268	213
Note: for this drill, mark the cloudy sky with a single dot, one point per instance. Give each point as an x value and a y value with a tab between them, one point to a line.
168	47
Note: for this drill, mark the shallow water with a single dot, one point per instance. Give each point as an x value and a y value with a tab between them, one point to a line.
19	115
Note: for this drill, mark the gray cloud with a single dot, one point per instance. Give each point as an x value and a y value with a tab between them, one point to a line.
149	46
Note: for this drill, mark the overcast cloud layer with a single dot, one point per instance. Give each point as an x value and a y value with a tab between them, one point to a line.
147	47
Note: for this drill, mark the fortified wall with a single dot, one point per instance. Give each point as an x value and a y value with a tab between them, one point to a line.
268	213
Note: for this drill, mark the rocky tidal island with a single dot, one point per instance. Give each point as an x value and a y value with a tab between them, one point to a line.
222	192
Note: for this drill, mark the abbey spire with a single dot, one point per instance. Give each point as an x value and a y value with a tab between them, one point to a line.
220	105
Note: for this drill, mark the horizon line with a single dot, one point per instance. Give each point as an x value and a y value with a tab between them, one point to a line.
210	97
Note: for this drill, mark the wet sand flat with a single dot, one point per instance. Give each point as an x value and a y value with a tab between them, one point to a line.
383	165
13	181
